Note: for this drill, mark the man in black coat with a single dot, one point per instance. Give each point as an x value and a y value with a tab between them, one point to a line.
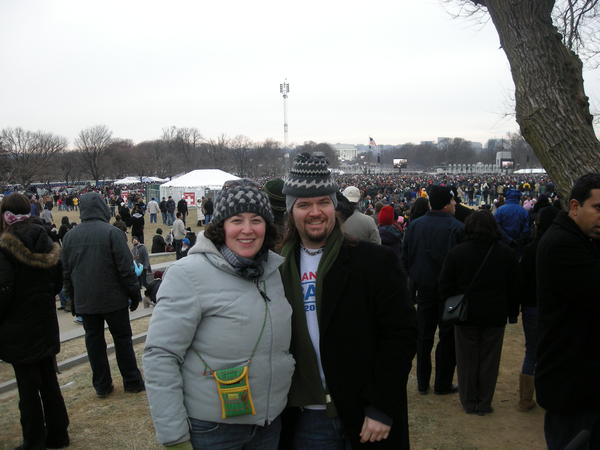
99	277
426	244
182	208
568	362
353	330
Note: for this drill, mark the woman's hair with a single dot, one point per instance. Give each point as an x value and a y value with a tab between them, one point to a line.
215	232
15	203
481	225
64	220
419	208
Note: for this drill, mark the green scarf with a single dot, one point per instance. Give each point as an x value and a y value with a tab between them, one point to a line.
307	388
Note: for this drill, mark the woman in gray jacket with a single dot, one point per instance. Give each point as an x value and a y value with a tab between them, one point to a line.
217	361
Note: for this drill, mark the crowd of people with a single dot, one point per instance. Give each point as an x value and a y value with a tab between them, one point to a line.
292	320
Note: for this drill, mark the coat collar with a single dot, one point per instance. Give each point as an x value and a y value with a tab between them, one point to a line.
15	247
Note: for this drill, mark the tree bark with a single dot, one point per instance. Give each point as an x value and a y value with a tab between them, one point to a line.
551	106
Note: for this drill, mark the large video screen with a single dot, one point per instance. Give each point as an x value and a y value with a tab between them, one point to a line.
507	164
400	163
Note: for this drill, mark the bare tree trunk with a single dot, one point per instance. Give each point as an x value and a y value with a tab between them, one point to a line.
551	106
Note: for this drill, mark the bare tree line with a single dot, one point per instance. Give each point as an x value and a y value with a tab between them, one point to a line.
27	156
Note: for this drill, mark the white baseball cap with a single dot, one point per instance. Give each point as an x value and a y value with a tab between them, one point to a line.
352	193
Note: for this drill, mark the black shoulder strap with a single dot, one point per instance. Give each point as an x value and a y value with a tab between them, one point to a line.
480	267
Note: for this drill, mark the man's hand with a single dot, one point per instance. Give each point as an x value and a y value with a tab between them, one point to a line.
373	431
134	304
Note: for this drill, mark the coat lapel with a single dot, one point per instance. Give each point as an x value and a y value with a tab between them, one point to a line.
334	287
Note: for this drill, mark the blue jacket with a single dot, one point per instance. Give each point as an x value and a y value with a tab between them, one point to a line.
513	219
426	244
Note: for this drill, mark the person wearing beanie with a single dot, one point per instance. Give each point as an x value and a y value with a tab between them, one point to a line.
222	310
359	225
513	220
427	240
390	231
348	298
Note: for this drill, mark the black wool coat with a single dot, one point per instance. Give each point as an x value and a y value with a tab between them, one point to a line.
367	339
568	361
30	278
495	294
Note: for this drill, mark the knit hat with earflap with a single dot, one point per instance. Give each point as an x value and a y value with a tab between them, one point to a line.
309	177
240	196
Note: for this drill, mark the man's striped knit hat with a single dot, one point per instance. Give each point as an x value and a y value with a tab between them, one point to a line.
309	177
240	196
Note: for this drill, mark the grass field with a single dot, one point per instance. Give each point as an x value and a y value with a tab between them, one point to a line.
122	421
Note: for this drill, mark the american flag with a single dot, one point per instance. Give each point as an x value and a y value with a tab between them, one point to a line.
372	142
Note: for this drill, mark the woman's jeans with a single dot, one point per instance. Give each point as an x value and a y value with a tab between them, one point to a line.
530	319
225	436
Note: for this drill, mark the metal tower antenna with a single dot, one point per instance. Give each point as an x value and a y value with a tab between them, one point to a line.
284	89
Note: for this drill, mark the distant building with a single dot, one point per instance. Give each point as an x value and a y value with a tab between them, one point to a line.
345	152
428	143
443	142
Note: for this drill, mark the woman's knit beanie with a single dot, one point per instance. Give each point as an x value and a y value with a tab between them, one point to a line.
240	196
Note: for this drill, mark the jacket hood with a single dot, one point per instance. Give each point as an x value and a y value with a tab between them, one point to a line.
205	246
93	207
513	196
30	244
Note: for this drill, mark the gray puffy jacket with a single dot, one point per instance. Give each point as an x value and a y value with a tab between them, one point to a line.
205	307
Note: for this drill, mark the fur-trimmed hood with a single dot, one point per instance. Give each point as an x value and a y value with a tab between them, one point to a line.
31	246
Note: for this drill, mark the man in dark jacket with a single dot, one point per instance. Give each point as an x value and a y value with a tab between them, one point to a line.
99	277
353	330
170	211
568	360
183	209
163	210
426	243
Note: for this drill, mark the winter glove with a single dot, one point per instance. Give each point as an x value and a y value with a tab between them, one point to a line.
133	304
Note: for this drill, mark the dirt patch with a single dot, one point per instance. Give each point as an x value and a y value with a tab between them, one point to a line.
122	421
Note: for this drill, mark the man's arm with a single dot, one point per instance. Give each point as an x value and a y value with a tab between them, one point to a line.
124	264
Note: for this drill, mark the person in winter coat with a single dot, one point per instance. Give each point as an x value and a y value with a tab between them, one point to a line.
170	211
353	331
358	225
140	256
183	209
513	220
391	232
137	224
100	279
568	360
120	224
158	242
529	308
125	214
492	299
222	307
64	227
30	278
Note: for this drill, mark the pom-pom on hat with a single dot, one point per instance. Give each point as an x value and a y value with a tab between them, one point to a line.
309	177
240	196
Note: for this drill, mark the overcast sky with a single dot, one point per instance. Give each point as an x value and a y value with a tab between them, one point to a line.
397	70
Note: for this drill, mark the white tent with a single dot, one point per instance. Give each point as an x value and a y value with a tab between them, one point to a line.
135	180
522	171
193	185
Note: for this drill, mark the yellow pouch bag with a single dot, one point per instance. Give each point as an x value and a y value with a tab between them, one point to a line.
234	391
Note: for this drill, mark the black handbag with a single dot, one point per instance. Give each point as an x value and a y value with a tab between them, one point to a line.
456	306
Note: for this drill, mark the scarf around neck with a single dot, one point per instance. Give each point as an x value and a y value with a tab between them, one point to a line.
248	268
